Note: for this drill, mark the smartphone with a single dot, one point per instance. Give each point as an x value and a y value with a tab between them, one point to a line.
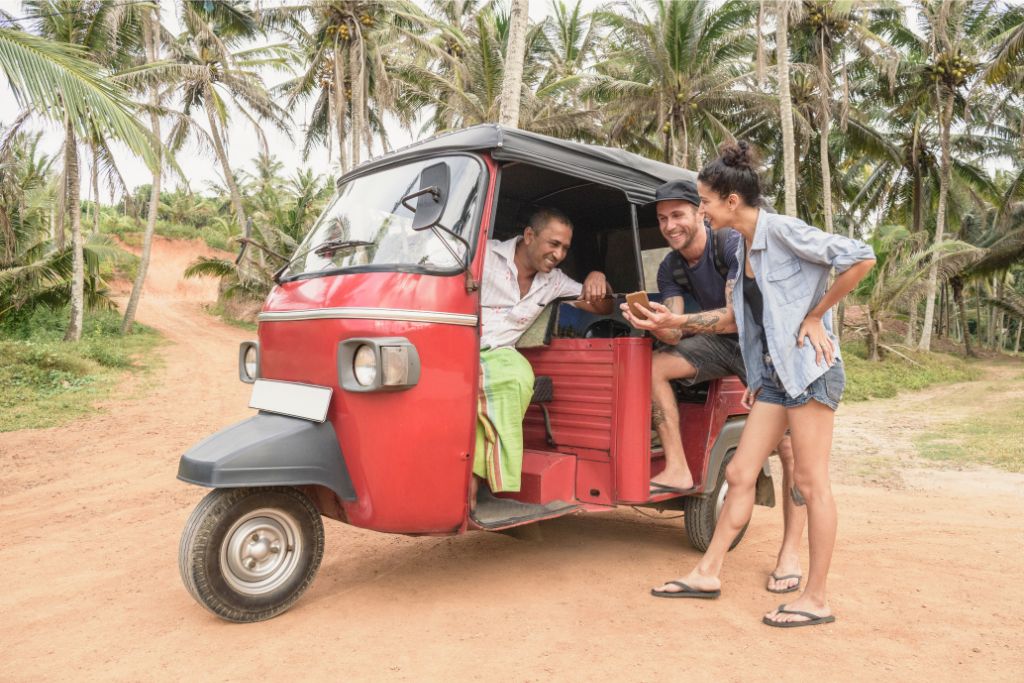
635	298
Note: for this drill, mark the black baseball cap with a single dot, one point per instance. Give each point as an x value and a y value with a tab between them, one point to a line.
685	190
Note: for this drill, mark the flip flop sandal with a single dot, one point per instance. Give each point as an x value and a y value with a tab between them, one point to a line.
783	578
661	489
686	592
812	619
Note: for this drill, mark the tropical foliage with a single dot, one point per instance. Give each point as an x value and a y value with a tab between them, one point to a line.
903	125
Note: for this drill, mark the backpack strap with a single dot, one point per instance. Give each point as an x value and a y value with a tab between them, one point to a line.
718	247
679	273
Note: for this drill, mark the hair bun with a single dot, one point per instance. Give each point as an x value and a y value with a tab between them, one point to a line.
738	154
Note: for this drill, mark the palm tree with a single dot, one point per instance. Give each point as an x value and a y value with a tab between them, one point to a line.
459	80
904	258
825	31
955	33
105	31
348	49
152	37
217	72
673	76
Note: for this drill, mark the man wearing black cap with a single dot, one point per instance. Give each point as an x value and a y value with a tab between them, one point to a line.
703	347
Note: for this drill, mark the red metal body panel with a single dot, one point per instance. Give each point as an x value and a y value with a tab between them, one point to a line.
409	452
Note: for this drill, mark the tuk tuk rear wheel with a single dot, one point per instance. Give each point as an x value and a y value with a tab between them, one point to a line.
248	554
700	513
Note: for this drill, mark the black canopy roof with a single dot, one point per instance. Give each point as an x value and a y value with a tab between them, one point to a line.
635	175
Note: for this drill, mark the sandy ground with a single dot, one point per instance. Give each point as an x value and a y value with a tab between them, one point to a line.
926	580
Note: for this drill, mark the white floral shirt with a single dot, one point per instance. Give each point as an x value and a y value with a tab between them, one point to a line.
504	314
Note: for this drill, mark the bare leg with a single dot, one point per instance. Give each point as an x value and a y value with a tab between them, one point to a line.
794	517
811	427
665	417
765	426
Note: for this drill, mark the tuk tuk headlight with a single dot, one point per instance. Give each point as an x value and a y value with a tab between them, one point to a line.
249	361
395	363
364	365
378	364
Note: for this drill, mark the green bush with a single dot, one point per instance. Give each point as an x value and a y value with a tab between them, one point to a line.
886	378
48	381
216	239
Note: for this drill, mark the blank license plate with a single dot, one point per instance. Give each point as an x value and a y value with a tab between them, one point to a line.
307	401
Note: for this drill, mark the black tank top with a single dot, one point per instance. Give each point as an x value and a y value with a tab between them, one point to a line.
752	297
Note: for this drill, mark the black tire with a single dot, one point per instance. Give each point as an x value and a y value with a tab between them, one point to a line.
231	558
701	512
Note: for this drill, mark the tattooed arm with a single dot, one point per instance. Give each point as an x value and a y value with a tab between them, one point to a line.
717	321
671	336
660	320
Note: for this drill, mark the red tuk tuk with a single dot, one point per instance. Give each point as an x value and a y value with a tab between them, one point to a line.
365	372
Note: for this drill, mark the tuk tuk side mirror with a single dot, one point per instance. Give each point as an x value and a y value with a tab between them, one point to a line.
431	198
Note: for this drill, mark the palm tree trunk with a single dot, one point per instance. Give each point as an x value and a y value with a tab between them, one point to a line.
874	332
62	210
911	324
786	106
95	191
958	295
917	190
940	225
340	106
74	331
823	132
150	36
1016	343
760	61
222	156
512	79
356	74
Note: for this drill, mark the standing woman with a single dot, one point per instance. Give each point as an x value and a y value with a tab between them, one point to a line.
782	306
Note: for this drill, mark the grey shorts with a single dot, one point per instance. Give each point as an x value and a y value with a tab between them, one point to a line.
713	355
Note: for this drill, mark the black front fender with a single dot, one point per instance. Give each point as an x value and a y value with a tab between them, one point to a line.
269	450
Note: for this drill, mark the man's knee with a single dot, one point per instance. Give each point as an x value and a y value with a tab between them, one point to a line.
666	366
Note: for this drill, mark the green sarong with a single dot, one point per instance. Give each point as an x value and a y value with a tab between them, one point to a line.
506	387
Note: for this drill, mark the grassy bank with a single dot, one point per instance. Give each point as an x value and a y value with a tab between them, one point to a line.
48	382
995	438
131	233
885	379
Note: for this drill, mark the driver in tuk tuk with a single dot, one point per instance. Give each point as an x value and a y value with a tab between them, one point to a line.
704	346
520	278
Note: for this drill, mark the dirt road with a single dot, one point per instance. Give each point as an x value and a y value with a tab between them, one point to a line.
926	578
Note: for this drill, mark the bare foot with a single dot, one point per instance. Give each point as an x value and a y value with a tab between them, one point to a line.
788	567
676	478
695	581
801	604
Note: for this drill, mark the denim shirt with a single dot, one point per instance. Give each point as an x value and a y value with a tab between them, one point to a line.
791	262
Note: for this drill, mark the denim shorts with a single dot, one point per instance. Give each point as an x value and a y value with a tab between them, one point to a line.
826	390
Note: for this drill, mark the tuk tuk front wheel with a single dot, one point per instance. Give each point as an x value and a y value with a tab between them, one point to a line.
700	513
247	554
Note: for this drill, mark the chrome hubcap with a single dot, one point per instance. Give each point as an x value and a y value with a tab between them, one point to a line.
720	501
260	551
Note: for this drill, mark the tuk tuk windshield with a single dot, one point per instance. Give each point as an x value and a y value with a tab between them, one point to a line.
366	226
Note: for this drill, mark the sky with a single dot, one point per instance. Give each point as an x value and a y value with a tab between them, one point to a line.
243	144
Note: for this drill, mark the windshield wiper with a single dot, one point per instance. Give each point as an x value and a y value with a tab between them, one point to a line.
335	245
320	250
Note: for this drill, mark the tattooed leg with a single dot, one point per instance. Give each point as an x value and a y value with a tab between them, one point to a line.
665	417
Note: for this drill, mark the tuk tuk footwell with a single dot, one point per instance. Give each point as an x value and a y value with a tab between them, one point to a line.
494	513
